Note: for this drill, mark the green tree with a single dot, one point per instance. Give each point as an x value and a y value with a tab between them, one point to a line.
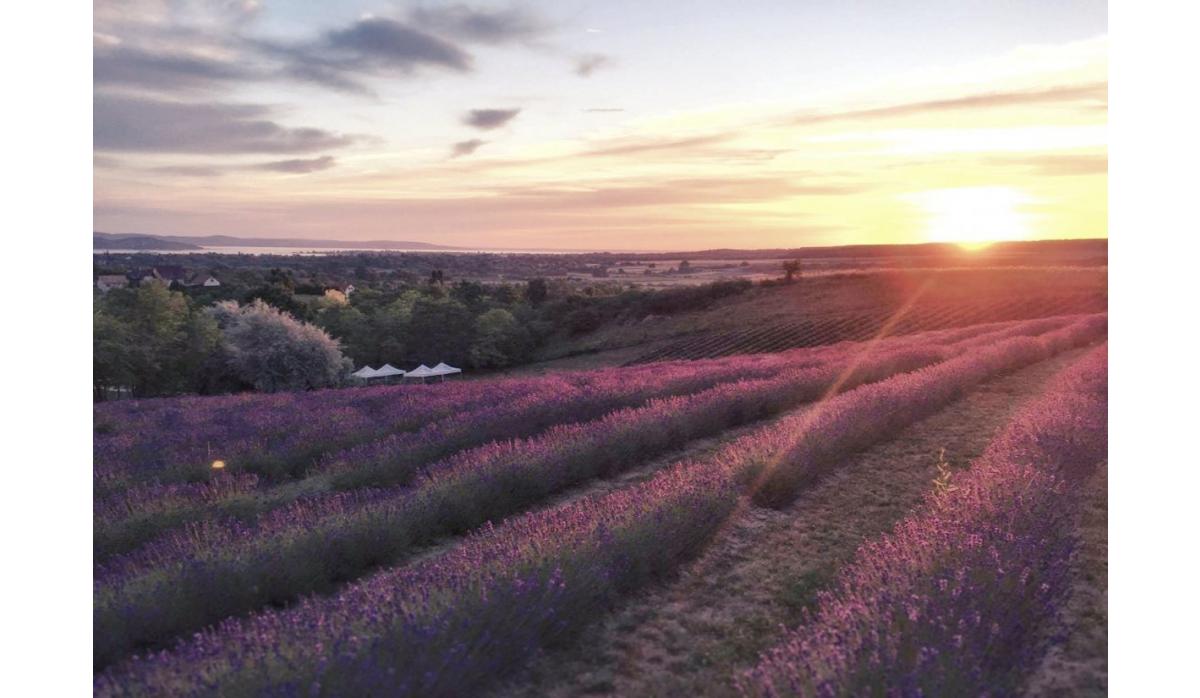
202	362
500	340
158	319
469	293
112	362
351	327
389	330
537	291
439	330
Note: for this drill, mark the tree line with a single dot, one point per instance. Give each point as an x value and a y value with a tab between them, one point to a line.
153	340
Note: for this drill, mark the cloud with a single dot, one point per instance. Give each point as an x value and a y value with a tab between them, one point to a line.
586	65
486	26
710	148
298	166
676	192
373	46
488	119
604	110
166	71
142	124
462	148
380	42
189	171
174	58
635	147
1089	95
1058	164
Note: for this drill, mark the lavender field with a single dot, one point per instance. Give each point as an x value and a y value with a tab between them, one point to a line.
516	536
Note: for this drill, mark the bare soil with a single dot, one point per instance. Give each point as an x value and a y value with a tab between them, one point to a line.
758	575
1079	666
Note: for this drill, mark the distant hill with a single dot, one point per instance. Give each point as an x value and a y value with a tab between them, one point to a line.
1082	247
103	241
193	242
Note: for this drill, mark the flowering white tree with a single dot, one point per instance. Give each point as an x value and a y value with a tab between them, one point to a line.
274	351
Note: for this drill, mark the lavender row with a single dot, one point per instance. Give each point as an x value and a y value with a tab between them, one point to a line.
285	434
205	573
377	527
130	518
177	438
490	459
448	624
955	600
272	433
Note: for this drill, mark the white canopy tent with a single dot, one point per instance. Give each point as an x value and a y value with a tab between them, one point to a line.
444	369
421	371
365	372
387	371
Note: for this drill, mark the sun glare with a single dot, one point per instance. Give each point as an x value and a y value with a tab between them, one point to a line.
974	217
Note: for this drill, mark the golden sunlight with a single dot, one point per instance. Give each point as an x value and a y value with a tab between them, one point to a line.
974	217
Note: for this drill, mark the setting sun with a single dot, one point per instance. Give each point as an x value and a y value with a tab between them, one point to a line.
974	217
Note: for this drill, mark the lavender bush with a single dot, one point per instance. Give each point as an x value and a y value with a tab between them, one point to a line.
954	601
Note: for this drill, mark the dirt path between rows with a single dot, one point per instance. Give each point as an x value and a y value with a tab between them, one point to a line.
689	637
1079	666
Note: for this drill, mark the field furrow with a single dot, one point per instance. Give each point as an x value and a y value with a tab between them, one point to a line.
763	570
961	598
213	572
142	515
1079	665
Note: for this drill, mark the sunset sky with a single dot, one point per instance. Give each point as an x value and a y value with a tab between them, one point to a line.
603	125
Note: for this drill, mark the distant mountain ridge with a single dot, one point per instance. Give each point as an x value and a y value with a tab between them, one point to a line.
102	241
136	241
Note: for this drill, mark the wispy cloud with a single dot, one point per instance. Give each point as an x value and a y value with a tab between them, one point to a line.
590	63
674	192
488	119
487	26
1058	164
168	71
190	171
462	148
1088	95
654	145
298	166
178	58
371	47
142	124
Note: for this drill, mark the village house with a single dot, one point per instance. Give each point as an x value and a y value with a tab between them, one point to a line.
165	275
202	279
171	274
107	282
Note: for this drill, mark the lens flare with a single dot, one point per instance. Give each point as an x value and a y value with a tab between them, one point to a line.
974	217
